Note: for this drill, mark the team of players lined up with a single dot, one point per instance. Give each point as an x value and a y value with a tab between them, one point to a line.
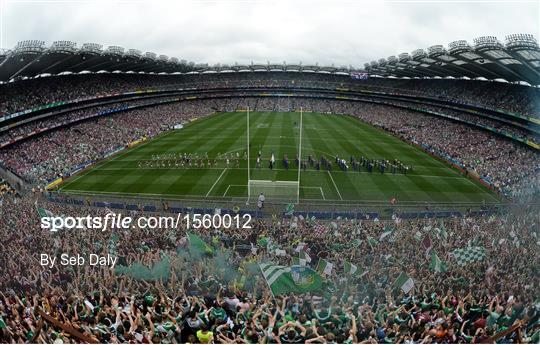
233	160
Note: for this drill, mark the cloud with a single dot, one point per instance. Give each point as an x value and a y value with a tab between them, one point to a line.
327	32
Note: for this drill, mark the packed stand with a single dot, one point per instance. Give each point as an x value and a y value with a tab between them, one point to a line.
220	296
54	154
26	94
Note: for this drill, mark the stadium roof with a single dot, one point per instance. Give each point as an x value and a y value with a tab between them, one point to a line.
517	60
33	58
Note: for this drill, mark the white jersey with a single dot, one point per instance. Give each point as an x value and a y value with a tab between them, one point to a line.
260	201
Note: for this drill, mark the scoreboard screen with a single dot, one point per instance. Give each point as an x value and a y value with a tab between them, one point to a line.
359	75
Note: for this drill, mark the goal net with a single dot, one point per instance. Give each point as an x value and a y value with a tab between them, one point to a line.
286	191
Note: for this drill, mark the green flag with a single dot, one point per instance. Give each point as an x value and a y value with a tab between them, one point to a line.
273	248
465	256
284	280
383	235
441	231
437	265
372	242
404	282
262	241
324	267
43	212
535	338
197	245
289	209
303	258
350	268
113	242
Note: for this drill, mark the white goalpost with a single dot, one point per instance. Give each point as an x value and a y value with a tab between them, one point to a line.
277	190
299	157
248	156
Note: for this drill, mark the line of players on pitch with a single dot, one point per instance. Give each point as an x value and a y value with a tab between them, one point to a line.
196	160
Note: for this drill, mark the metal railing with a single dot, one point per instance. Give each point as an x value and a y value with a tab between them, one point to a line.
276	207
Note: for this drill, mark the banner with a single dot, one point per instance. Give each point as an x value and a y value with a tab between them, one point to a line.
283	280
54	183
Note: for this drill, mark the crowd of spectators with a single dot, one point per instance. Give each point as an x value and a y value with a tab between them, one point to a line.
517	99
522	132
25	94
75	113
65	117
55	153
222	297
5	189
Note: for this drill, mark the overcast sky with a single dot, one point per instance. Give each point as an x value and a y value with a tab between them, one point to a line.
338	32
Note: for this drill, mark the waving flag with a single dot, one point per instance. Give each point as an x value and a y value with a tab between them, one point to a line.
284	280
383	235
465	256
324	267
426	243
304	258
372	242
262	241
442	232
43	213
319	230
289	209
349	268
437	265
404	282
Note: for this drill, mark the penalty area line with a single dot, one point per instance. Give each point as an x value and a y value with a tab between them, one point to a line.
335	186
219	178
233	185
322	193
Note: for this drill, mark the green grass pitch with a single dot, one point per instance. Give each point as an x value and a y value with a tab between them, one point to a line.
430	181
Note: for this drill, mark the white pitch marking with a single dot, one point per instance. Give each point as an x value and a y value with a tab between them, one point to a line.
223	172
226	190
322	193
337	190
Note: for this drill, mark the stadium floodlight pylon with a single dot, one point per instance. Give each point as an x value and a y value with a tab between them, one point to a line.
274	190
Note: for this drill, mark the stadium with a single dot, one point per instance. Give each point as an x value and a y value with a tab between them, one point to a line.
396	202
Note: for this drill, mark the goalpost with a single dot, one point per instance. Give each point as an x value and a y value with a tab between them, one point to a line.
277	190
286	191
